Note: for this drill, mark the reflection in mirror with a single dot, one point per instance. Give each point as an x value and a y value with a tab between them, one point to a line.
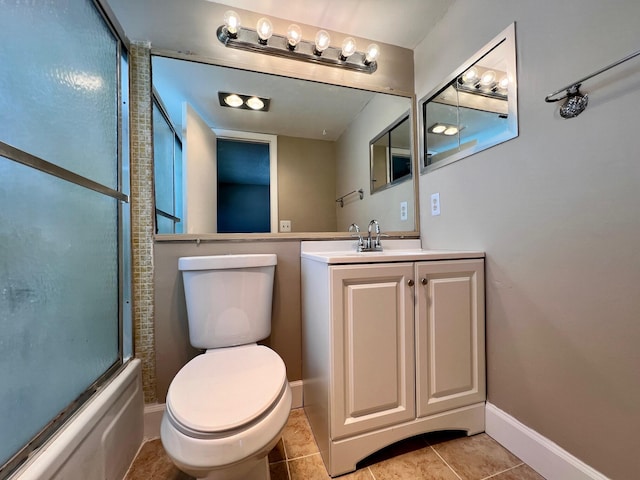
391	155
320	144
475	109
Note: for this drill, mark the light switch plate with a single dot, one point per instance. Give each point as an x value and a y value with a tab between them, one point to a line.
435	204
403	210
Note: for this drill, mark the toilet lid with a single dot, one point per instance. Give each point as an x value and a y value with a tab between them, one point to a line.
227	388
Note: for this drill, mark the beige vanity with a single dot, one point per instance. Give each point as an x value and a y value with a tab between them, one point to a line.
393	345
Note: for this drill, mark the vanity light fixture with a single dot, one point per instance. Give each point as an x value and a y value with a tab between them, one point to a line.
293	46
243	102
482	81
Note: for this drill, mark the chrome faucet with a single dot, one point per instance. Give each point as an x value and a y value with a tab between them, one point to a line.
368	244
355	228
373	244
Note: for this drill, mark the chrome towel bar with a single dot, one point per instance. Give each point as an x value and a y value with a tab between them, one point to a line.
340	200
576	101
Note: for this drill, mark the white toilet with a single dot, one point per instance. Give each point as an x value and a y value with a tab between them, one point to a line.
226	409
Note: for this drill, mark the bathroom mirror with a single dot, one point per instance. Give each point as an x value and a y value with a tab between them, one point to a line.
319	134
390	155
474	109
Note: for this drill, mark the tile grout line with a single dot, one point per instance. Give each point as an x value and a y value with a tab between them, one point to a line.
286	456
503	471
304	456
445	462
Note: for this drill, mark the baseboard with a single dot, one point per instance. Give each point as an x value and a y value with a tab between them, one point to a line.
152	418
540	453
296	394
153	412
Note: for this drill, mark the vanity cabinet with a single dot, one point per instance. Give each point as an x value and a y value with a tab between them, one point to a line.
372	379
391	350
450	362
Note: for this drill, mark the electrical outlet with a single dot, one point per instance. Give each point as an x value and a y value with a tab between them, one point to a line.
403	210
285	226
435	204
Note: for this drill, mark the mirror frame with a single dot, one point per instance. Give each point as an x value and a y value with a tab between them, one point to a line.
506	37
414	233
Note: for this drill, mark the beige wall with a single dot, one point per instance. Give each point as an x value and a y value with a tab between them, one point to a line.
556	211
354	164
307	184
173	350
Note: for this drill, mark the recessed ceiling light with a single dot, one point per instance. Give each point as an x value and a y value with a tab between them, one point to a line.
443	129
255	103
233	100
244	102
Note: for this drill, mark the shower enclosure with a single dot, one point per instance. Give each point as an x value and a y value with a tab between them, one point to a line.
64	267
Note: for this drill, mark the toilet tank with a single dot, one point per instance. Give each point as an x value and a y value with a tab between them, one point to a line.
228	298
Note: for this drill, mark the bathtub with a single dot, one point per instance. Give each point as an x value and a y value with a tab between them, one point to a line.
101	440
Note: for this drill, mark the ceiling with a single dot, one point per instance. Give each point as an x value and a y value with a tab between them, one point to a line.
298	108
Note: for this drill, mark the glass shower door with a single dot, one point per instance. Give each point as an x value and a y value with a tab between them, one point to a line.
60	212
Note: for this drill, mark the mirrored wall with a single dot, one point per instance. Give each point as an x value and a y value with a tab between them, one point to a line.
318	136
474	109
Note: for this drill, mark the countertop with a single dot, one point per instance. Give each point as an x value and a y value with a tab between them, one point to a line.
341	252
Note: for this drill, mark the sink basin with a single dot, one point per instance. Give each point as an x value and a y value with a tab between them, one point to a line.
343	252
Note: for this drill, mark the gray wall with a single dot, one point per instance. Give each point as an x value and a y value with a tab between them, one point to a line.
556	211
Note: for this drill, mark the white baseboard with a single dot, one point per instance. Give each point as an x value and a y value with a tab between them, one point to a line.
296	394
153	412
152	418
540	453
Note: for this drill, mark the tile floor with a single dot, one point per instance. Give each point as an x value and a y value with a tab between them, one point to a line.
434	456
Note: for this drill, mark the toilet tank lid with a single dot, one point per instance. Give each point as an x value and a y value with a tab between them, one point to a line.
218	262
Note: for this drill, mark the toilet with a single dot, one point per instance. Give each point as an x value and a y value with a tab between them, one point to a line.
226	408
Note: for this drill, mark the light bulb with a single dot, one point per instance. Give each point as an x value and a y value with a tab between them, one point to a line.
254	103
233	100
488	78
232	22
439	129
503	84
372	53
451	131
322	41
264	29
470	76
294	35
348	48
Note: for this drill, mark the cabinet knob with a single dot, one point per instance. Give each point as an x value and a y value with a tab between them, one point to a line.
410	282
424	281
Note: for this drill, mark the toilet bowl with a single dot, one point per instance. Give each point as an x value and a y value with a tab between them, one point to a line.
225	411
226	408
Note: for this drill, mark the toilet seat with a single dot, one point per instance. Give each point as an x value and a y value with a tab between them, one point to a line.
224	390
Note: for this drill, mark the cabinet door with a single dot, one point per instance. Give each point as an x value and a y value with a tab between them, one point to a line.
450	368
373	376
